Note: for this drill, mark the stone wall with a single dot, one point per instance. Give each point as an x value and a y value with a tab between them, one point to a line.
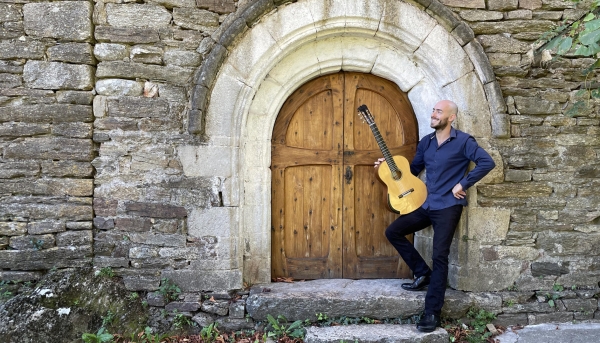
104	156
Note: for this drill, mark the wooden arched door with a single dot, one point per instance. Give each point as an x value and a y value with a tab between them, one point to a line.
328	211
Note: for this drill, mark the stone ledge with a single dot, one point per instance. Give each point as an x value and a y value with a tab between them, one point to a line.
369	334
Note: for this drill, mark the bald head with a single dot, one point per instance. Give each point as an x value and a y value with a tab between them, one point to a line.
444	113
447	105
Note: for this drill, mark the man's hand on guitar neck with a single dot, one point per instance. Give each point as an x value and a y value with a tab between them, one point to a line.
378	162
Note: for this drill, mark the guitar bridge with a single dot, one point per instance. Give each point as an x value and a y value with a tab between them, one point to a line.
406	193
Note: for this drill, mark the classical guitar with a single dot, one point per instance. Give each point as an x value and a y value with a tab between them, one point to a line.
404	191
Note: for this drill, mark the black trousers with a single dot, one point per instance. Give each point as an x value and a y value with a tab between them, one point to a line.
444	224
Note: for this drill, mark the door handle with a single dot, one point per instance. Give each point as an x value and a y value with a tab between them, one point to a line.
348	175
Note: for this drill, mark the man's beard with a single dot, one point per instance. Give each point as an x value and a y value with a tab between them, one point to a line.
442	124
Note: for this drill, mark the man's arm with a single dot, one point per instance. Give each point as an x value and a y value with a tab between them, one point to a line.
418	163
483	163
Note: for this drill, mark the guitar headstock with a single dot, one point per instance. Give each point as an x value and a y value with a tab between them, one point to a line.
365	114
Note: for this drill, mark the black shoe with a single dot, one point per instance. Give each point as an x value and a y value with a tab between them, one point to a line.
417	285
428	323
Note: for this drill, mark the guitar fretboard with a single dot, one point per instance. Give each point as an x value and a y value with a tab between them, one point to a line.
396	173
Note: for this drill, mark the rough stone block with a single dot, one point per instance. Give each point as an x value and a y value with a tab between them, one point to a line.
480	62
464	3
74	238
517	175
18	169
10	80
519	14
119	87
162	240
57	113
20	276
512	26
50	148
215	221
104	223
511	319
68	20
182	306
67	169
29	49
13	228
141	282
72	52
237	309
133	224
502	44
489	225
137	15
12	67
219	6
203	319
155	299
126	35
111	52
102	261
37	242
196	19
218	307
59	257
73	130
557	317
234	324
79	225
74	97
182	58
530	4
9	12
57	75
155	210
581	305
480	15
19	129
125	124
533	189
142	252
502	5
133	107
43	227
171	74
146	54
198	280
52	187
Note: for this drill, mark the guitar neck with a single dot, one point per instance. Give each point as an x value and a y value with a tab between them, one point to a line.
386	152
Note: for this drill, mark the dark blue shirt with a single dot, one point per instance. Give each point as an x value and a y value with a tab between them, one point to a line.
446	165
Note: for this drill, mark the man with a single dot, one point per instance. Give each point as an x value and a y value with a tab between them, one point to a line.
445	154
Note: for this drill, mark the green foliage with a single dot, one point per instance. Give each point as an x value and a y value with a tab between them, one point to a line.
100	337
479	319
108	319
181	321
579	38
168	289
279	328
552	299
133	296
106	272
209	333
4	292
38	244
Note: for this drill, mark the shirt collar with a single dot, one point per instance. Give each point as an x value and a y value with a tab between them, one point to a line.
452	133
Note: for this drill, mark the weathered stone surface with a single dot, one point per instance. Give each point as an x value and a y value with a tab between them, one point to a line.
50	148
12	228
510	319
237	309
74	97
10	80
21	130
133	224
527	105
55	187
29	49
137	15
203	319
502	44
155	210
163	240
13	67
172	74
218	307
67	169
534	189
72	52
43	227
196	19
69	20
197	280
73	130
111	52
566	243
133	107
513	26
464	3
222	6
479	15
36	242
78	225
59	257
141	283
36	208
47	113
9	12
74	238
146	54
502	5
519	14
126	35
18	169
57	75
182	58
517	175
104	223
363	333
183	306
119	87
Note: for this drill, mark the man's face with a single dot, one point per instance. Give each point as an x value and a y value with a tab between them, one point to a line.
440	116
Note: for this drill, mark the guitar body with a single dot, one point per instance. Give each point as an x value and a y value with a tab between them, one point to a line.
406	194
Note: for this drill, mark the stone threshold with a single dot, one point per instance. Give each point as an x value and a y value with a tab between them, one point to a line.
372	298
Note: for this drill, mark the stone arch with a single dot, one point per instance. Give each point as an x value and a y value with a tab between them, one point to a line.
257	64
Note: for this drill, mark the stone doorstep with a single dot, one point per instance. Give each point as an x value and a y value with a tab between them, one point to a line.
376	298
385	333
